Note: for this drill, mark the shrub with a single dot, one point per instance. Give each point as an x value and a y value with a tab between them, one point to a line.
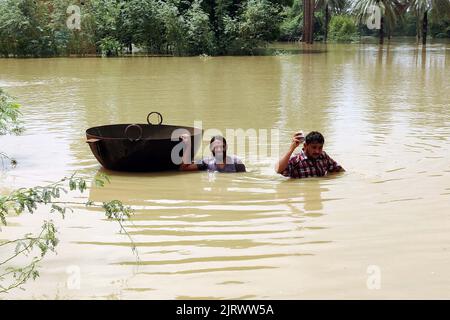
342	28
258	22
110	47
200	37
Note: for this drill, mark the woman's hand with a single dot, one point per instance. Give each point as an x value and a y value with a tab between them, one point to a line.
186	139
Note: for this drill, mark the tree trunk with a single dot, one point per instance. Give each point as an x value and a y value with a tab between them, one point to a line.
425	27
311	20
308	12
327	20
305	21
418	30
382	30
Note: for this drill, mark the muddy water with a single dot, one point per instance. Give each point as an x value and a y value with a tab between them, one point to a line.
381	230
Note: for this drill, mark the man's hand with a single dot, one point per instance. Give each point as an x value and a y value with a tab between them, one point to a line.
297	139
282	164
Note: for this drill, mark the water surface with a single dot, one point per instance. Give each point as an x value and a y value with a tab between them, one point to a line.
385	116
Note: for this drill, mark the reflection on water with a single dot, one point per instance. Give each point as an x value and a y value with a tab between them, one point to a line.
384	114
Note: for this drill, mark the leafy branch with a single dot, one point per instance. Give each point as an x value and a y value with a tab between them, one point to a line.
9	115
9	121
45	241
28	200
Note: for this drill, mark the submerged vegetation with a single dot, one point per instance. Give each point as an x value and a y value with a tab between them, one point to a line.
42	28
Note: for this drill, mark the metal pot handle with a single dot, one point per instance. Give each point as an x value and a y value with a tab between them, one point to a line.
159	115
140	132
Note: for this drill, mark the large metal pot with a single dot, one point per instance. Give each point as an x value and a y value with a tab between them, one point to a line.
138	147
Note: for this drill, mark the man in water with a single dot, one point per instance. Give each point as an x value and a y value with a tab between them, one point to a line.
219	161
311	161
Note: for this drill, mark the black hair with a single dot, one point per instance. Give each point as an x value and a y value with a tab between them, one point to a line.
214	138
220	138
314	137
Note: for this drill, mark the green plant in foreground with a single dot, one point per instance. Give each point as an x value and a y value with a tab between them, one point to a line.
9	115
28	200
9	121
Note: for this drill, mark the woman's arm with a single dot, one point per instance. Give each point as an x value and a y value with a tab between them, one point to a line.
239	165
187	164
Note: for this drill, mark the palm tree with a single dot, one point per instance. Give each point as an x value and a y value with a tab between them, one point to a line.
390	11
421	8
331	6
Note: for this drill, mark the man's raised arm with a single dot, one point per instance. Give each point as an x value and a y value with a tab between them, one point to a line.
282	164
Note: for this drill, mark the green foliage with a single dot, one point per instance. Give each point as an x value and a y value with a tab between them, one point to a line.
9	121
187	27
9	115
343	28
110	47
172	39
292	24
437	10
178	27
335	6
260	20
45	241
28	200
440	28
24	28
200	37
256	23
406	26
142	23
389	11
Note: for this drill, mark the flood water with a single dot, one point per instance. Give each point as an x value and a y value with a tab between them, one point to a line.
385	117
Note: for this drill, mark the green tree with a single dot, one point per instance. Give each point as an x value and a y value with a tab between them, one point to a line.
143	21
390	13
290	28
258	23
200	36
24	28
440	28
104	28
331	7
343	28
9	114
439	9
